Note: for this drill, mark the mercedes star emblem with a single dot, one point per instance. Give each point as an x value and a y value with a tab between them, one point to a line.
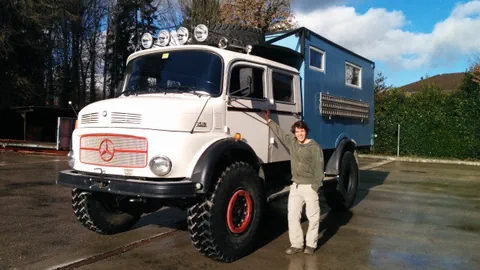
106	150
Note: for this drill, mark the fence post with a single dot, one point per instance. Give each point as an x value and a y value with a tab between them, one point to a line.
398	141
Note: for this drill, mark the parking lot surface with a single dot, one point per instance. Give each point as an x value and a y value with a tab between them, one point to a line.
406	216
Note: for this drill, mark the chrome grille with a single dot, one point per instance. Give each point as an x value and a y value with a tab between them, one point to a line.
343	107
90	118
126	118
128	151
121	159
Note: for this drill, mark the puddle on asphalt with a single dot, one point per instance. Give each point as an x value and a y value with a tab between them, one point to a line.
414	255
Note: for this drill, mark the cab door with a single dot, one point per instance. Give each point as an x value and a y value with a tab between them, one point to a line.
285	103
246	102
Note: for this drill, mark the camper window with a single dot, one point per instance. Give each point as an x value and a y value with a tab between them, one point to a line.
317	59
353	75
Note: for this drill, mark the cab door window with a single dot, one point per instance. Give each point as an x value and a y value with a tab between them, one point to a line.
247	81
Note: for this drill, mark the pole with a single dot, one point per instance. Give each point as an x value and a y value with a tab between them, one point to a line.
398	141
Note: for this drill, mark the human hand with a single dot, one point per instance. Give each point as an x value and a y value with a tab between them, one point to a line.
267	115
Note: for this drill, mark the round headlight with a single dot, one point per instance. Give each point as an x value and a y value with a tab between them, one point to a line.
163	38
201	32
147	41
71	159
160	165
182	35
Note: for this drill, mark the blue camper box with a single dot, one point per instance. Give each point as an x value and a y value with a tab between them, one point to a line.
337	88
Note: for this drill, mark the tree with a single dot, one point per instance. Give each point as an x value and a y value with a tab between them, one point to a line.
267	15
380	84
475	68
200	11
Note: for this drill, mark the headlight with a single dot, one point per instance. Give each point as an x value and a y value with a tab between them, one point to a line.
71	159
201	32
160	165
182	35
147	41
163	38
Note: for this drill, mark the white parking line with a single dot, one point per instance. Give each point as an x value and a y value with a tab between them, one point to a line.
21	163
375	165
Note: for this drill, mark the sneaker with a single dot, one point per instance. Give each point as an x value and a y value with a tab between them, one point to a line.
293	250
309	250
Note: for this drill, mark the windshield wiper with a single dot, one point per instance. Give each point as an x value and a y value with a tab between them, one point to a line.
128	91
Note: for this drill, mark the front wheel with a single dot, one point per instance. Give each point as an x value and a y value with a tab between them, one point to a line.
223	225
342	196
104	213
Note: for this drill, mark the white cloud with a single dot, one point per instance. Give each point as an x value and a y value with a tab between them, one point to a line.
377	34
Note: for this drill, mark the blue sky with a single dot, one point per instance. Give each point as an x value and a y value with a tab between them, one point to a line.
406	39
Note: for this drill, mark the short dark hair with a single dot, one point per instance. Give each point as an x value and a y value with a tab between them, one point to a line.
300	124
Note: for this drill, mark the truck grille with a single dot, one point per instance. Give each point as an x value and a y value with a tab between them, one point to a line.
114	150
90	118
126	118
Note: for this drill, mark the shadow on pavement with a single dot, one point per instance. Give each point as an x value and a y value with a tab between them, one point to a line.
369	180
172	218
330	225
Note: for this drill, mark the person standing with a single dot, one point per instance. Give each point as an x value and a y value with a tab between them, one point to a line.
307	168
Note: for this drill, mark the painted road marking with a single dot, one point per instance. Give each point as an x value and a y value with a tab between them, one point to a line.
375	165
36	162
99	257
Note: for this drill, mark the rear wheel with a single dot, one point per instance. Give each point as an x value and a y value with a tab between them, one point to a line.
342	196
223	225
104	213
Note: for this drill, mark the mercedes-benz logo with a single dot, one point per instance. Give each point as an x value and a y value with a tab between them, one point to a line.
104	113
106	150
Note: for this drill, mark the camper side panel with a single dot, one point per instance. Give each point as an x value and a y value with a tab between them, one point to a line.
337	72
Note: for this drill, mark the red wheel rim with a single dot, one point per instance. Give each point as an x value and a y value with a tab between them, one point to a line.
239	211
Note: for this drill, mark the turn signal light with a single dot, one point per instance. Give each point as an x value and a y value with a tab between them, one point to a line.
76	124
237	136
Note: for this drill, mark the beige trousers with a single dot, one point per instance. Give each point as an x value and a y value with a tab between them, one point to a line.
300	195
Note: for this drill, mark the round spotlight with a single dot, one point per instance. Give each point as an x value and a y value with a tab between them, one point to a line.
163	38
201	32
182	35
147	41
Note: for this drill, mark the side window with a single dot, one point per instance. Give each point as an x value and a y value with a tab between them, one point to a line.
353	75
282	87
246	81
317	59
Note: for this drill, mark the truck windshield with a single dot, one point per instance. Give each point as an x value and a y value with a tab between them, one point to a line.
197	72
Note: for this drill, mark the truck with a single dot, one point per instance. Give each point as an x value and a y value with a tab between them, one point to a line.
186	129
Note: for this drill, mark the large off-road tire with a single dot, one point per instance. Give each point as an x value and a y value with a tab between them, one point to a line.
223	225
103	212
342	197
236	35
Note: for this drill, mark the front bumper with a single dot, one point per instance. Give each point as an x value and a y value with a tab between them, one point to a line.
126	186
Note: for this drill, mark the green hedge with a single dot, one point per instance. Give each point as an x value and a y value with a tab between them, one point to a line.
432	123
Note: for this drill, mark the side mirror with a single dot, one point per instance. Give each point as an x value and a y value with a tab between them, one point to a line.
246	81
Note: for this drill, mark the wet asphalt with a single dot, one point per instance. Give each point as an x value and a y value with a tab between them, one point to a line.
406	216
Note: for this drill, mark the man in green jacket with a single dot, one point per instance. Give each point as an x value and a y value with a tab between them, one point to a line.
307	175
